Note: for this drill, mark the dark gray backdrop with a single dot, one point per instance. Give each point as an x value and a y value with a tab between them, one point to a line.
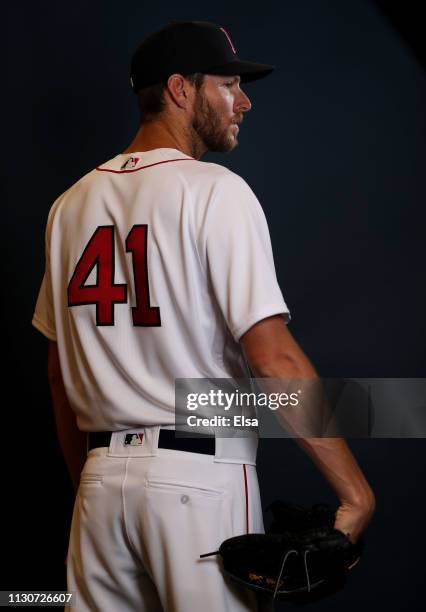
334	149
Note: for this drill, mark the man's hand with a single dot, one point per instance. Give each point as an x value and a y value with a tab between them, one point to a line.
353	519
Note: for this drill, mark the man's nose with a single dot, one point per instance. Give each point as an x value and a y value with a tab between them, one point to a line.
243	102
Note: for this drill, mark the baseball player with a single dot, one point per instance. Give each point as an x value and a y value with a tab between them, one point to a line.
159	266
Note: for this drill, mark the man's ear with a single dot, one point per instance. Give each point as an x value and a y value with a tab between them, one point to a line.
178	89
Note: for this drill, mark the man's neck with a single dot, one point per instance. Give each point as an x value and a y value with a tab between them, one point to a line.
159	135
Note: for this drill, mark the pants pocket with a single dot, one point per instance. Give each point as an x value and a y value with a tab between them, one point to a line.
183	487
88	479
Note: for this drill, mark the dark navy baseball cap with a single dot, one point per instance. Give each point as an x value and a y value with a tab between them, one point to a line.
185	47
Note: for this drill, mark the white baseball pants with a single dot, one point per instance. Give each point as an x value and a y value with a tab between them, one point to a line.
140	524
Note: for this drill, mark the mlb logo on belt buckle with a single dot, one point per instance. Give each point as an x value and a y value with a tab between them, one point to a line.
135	439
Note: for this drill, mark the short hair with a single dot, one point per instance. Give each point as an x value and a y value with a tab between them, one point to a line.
151	99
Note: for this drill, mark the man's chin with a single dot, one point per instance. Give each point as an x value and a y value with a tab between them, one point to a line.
227	146
221	146
233	145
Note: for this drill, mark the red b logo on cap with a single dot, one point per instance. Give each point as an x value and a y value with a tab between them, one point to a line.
229	39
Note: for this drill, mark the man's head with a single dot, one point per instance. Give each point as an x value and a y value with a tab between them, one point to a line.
188	75
208	107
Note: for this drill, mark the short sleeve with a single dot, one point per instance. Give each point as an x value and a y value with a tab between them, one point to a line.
43	317
239	257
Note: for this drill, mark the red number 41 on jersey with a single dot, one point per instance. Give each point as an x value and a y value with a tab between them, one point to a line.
100	252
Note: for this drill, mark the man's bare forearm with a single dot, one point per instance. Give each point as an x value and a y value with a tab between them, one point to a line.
280	365
306	423
72	440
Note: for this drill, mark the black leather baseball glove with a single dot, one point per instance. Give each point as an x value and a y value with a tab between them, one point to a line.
301	558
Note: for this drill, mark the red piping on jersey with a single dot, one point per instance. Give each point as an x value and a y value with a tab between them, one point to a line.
148	166
246	490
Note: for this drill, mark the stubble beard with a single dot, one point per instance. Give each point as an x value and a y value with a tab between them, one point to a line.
207	126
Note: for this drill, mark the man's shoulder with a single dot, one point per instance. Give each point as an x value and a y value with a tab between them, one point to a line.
69	194
216	175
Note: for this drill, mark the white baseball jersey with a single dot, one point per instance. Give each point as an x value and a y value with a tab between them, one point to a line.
156	265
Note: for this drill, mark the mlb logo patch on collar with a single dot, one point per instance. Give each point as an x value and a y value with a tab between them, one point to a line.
135	439
130	163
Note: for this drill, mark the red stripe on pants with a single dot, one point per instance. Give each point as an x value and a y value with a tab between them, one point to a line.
246	490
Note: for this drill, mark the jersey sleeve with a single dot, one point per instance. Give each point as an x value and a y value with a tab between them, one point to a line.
43	317
239	257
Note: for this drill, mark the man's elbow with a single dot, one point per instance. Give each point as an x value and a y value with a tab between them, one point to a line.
283	365
272	352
